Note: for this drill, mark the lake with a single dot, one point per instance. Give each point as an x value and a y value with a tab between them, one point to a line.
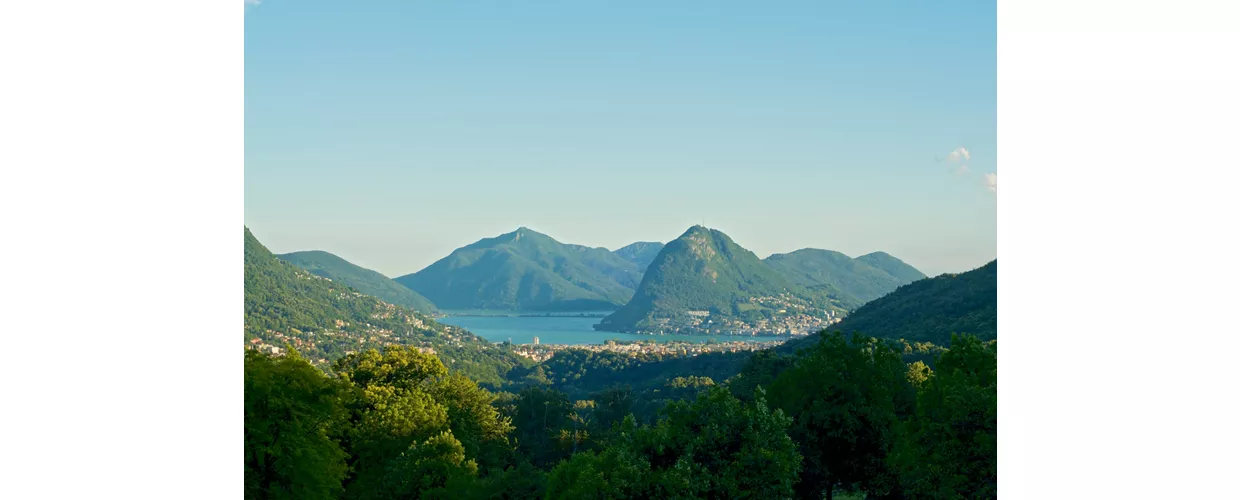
566	330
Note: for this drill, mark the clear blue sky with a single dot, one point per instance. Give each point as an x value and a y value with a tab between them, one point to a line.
392	132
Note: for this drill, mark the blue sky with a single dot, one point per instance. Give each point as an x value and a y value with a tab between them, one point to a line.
391	133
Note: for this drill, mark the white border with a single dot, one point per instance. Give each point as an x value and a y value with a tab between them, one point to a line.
121	154
1117	141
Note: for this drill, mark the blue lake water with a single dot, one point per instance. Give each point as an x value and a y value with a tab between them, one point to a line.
564	330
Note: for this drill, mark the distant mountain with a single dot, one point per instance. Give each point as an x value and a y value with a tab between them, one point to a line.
285	306
527	270
363	280
641	253
930	310
893	266
704	271
857	280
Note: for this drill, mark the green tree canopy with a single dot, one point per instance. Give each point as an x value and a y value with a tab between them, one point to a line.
290	408
709	448
950	447
841	395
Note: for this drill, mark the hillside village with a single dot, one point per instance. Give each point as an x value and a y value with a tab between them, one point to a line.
344	338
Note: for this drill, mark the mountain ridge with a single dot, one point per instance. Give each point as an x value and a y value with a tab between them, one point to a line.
286	305
855	281
641	253
373	283
526	270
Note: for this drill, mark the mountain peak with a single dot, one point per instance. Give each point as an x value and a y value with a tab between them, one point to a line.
697	229
704	270
525	269
525	232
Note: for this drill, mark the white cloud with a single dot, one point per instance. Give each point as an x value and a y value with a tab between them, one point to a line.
990	182
958	154
959	158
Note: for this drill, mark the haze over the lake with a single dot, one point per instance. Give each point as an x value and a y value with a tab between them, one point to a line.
391	133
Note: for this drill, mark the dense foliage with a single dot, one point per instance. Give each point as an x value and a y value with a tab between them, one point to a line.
949	446
844	415
714	447
527	270
641	253
361	279
855	281
930	310
705	270
291	409
325	320
842	396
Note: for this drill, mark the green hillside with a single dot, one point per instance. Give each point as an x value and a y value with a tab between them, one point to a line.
363	280
324	320
705	271
641	253
930	310
526	270
857	281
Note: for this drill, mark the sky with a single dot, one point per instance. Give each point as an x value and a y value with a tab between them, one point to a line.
392	132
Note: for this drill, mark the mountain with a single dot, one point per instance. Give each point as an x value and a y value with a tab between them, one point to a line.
704	274
641	253
527	270
893	266
930	310
286	306
361	279
858	280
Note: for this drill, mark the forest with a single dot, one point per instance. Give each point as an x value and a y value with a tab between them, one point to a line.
843	416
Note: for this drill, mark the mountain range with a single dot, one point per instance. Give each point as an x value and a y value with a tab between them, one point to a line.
705	273
527	270
853	281
364	280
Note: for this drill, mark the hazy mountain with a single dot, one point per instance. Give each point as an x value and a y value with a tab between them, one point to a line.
930	310
893	266
858	280
640	253
363	280
704	270
526	270
286	306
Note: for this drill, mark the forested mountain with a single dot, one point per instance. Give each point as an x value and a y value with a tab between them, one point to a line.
324	320
364	280
930	310
856	281
526	270
704	270
641	253
866	417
